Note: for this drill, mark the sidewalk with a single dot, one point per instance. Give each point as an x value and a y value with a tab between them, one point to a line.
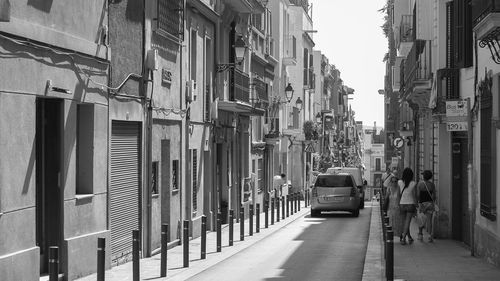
444	259
150	267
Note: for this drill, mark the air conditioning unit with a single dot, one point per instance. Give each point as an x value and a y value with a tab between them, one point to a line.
191	94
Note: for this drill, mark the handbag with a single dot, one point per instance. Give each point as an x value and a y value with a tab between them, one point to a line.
421	219
436	207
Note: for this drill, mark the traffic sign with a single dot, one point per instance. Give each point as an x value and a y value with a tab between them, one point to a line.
399	142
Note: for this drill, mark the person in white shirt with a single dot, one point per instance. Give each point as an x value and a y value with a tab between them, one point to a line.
278	182
407	203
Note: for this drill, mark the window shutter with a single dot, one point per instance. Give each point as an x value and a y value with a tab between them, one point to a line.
195	179
487	181
449	35
295	118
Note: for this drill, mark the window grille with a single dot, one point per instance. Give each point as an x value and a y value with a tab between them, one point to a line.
171	18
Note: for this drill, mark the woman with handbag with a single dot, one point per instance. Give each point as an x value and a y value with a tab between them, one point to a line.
392	197
426	192
407	203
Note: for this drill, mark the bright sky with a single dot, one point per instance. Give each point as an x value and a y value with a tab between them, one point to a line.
350	36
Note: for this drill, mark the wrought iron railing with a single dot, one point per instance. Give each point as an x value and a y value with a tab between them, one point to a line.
303	3
417	64
241	86
260	87
448	88
481	8
406	31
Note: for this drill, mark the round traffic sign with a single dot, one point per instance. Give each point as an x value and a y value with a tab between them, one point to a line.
398	142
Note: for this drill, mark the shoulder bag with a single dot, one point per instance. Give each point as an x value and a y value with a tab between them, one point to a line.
436	207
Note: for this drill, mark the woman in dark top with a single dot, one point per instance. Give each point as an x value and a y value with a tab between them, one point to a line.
426	191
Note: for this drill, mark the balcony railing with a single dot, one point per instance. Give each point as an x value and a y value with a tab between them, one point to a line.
481	8
406	31
303	3
447	88
417	66
290	48
241	86
260	87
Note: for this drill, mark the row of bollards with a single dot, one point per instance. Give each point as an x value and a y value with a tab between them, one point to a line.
290	204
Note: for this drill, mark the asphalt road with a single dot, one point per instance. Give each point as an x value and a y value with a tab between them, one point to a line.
331	247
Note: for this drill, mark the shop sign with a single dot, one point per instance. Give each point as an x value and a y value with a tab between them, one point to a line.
456	108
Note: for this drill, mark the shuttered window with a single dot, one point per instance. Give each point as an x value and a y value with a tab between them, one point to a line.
194	154
462	30
488	141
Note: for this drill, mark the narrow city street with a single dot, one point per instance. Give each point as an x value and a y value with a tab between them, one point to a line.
332	246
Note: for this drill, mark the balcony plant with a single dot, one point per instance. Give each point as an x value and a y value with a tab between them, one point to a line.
311	130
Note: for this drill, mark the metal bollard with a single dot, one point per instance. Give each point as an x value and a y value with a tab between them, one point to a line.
287	203
242	223
283	207
231	227
203	254
272	211
295	202
266	214
250	220
219	232
299	196
306	199
164	243
135	255
101	254
185	242
389	261
387	229
385	223
277	209
53	263
257	219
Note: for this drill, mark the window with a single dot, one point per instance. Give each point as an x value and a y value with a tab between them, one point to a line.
154	178
334	181
194	165
461	38
85	149
260	174
208	77
170	18
192	55
378	164
175	175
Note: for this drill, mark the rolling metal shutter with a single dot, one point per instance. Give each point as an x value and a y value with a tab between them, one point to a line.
125	179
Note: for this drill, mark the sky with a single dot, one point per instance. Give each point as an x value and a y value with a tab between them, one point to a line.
350	36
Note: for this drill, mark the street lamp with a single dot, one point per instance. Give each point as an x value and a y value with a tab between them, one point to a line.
298	103
289	92
318	117
239	49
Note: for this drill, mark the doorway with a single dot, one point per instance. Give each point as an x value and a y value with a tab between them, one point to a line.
460	195
49	126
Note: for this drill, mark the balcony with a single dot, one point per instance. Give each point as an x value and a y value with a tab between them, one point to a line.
239	95
245	6
417	74
396	74
260	90
274	128
406	32
448	88
290	50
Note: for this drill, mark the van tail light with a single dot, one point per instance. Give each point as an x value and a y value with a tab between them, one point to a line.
353	192
314	192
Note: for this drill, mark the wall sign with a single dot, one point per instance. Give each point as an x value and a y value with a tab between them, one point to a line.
166	76
456	126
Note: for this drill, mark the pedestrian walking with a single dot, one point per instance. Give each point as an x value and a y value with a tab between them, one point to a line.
278	182
408	203
392	198
426	192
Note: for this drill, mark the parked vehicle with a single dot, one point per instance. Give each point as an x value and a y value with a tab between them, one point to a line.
358	177
335	192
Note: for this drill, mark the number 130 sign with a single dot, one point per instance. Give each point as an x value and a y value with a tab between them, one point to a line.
456	126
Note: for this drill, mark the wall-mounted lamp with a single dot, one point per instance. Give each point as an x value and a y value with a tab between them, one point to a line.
298	103
289	92
318	118
492	42
239	49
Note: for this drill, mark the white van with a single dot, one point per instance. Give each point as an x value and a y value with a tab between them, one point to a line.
358	177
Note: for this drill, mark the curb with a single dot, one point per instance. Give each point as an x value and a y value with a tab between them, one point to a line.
374	268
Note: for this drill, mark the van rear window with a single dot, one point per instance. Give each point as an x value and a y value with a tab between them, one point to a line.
334	181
